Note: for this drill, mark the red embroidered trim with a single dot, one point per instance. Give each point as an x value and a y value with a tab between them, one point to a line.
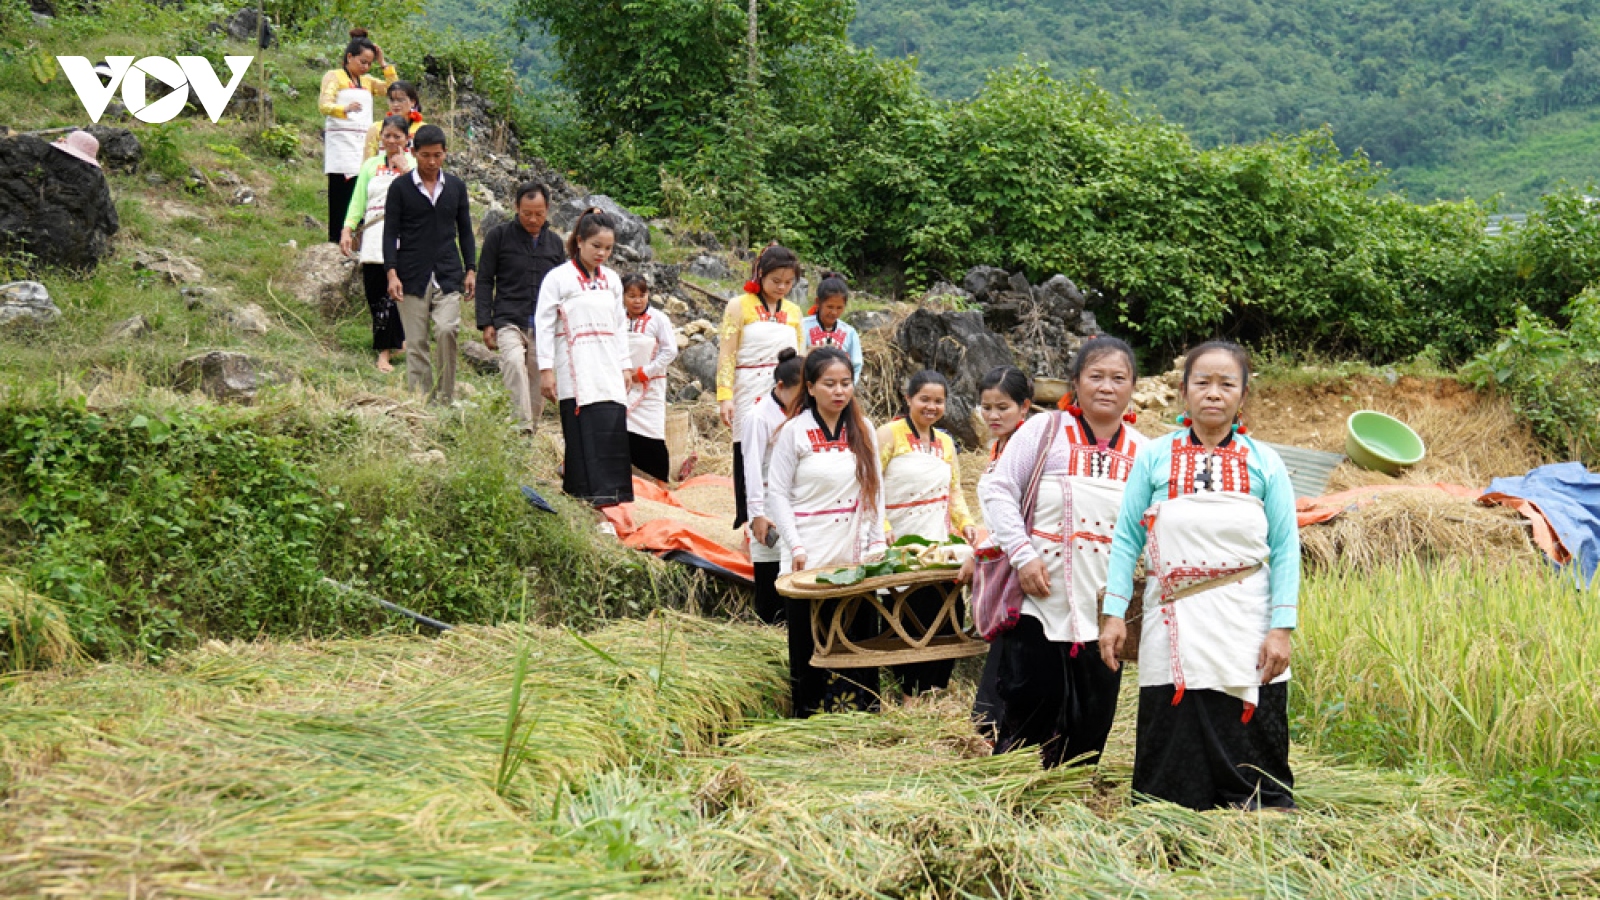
821	444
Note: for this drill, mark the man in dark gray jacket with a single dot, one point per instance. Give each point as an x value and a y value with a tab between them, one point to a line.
516	257
426	215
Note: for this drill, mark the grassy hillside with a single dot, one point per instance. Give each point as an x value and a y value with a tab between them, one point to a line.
1438	86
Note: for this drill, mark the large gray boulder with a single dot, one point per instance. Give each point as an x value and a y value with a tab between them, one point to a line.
26	303
54	207
327	279
633	233
959	346
225	376
700	362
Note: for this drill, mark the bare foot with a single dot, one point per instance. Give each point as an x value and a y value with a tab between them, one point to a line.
383	363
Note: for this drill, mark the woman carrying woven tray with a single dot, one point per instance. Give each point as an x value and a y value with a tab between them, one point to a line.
825	497
1055	692
922	496
1213	511
1005	398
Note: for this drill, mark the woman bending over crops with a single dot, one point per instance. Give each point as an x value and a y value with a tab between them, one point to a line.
1055	693
768	414
1005	397
922	496
1213	511
581	332
824	496
755	327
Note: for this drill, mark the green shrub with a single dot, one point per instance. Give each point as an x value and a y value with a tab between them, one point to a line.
281	141
151	530
1552	374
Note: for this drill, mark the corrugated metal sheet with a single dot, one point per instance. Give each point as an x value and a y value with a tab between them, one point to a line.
1309	470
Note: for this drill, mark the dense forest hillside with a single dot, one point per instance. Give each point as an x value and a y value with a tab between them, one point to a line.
1456	100
1440	88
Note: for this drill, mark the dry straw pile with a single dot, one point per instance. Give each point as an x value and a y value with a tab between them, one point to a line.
652	763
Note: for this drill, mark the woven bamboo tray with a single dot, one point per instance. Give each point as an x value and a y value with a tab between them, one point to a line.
906	638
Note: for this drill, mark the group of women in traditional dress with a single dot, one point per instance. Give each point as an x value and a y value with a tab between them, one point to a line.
1209	508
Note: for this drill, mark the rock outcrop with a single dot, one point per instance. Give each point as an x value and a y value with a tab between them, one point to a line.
53	207
225	376
961	347
26	303
633	234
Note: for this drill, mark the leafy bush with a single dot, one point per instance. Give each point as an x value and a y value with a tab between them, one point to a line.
154	529
282	141
1552	374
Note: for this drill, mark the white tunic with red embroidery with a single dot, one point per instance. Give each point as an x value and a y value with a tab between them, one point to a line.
652	348
581	331
814	498
1080	496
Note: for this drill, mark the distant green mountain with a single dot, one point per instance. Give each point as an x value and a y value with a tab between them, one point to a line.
1457	99
1451	95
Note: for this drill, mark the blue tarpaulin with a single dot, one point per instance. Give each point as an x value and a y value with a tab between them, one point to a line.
1569	496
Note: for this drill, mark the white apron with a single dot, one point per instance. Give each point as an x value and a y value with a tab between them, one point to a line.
647	404
377	200
345	140
916	493
759	344
827	510
1073	521
1210	640
585	339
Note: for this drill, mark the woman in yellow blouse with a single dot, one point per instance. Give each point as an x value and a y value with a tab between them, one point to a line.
347	101
756	327
922	496
403	102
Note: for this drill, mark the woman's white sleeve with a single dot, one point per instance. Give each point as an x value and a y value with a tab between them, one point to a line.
780	487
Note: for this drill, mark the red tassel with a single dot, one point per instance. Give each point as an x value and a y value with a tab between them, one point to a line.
1074	409
1183	420
1177	696
812	311
1249	713
1242	429
1074	651
752	287
414	116
1130	418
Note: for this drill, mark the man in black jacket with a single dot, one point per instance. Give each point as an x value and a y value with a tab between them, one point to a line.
427	215
516	257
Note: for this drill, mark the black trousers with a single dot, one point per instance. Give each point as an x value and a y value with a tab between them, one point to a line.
1203	755
1052	699
741	509
817	690
915	678
597	465
386	331
769	603
340	189
987	705
649	455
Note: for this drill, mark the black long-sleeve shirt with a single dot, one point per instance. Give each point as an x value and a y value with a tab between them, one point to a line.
511	270
419	237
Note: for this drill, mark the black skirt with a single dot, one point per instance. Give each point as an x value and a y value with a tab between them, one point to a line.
815	690
1051	698
1203	755
386	331
598	467
340	189
650	456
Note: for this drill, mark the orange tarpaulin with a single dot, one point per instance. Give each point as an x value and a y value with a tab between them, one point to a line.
1312	510
667	535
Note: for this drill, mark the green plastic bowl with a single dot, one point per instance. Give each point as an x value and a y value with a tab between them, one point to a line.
1381	443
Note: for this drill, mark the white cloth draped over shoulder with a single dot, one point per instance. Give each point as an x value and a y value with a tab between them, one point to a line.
1080	496
581	331
814	498
759	344
651	348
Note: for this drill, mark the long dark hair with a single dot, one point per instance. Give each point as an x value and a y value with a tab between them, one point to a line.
590	223
772	259
858	433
